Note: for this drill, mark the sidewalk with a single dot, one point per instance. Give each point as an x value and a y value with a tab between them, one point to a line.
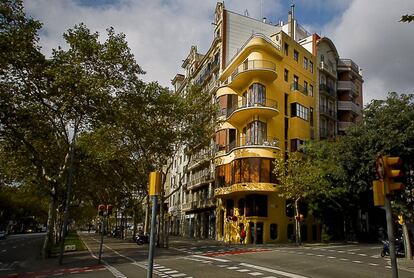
73	262
404	264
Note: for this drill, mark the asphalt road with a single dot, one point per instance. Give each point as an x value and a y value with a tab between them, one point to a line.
198	259
19	252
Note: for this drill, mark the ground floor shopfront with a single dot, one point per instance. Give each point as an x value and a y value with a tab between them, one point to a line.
195	224
265	217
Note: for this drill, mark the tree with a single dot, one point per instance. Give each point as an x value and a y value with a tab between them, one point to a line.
407	18
299	179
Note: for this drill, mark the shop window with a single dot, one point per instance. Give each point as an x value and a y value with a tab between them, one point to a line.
241	206
229	207
273	231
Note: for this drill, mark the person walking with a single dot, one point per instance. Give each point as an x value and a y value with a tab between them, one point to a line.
242	235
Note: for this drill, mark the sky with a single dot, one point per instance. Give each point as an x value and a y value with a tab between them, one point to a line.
161	32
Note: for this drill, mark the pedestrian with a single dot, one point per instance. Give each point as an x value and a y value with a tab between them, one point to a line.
242	235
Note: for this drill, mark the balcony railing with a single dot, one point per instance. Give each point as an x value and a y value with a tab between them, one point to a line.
326	110
298	87
329	90
246	142
348	63
252	65
204	179
244	103
200	157
347	86
326	67
349	106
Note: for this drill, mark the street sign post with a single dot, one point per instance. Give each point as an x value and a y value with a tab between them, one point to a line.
154	191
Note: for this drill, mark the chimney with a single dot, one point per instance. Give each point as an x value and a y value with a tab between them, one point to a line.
291	22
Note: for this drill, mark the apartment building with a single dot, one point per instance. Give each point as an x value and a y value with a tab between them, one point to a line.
277	86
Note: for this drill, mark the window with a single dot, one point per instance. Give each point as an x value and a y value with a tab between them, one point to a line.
273	231
296	55
305	87
256	205
295	145
286	49
305	63
311	116
241	206
310	92
298	110
229	207
256	133
286	75
252	169
256	94
311	67
295	82
221	139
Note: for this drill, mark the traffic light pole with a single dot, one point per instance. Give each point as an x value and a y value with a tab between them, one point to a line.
152	236
100	245
391	237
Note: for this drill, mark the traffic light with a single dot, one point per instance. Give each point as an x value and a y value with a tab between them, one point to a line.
378	190
300	217
400	219
101	209
393	173
109	209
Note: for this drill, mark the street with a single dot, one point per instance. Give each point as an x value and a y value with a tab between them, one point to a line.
18	252
198	259
187	258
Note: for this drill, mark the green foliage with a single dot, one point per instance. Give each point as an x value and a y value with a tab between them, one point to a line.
407	18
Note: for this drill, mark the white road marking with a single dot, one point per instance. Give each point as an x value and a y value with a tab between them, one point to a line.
342	259
255	273
358	262
287	274
351	253
341	251
373	264
211	258
351	250
243	270
171	272
330	257
178	275
387	266
233	267
320	255
364	255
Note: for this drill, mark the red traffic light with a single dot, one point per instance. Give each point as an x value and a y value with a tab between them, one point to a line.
101	209
109	209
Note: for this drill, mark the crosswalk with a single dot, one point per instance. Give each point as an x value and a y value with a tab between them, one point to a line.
8	266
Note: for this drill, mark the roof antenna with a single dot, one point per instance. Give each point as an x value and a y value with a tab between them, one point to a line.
246	13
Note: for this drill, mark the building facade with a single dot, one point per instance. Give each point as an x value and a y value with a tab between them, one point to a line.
277	86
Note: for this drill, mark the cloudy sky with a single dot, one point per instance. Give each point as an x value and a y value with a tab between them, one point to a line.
161	32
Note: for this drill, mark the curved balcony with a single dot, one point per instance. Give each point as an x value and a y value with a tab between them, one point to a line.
243	110
245	72
261	142
247	187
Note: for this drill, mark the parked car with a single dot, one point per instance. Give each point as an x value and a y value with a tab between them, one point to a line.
2	234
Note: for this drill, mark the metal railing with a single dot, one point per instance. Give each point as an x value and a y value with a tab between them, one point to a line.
200	157
298	87
245	103
329	90
262	141
325	66
348	86
348	63
349	106
253	64
205	178
330	111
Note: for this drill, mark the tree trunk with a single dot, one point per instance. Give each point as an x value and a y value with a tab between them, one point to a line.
407	242
51	217
297	223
